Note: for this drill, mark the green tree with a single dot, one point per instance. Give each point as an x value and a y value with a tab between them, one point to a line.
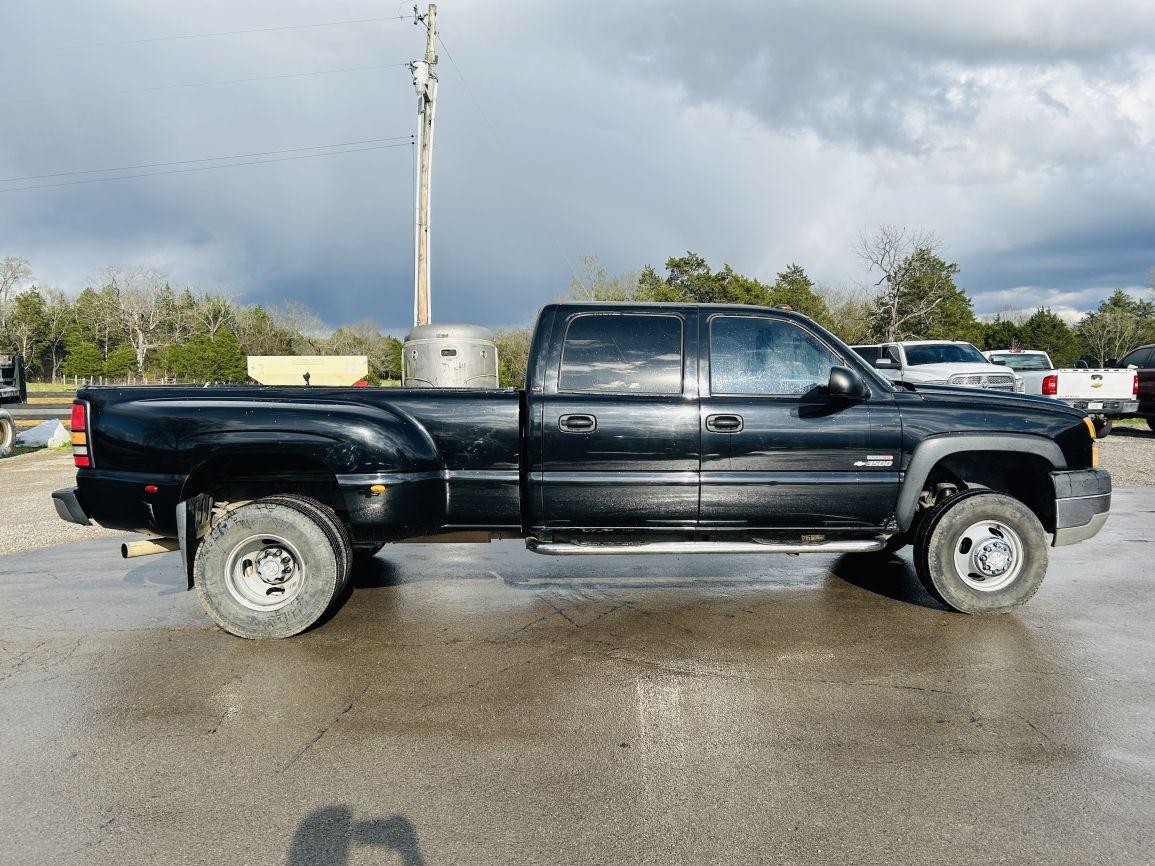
83	359
796	290
1001	333
924	303
121	361
27	327
1046	331
205	358
512	356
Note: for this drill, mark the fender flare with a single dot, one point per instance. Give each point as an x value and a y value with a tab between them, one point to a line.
930	451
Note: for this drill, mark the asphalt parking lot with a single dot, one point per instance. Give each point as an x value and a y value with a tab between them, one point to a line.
485	705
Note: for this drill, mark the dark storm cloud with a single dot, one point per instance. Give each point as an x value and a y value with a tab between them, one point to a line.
755	133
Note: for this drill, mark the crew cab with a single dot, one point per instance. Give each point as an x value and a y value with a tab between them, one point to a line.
939	362
642	429
1103	394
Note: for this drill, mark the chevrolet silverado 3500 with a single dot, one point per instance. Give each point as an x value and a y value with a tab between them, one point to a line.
642	429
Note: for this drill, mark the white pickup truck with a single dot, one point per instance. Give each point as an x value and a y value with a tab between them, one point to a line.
1102	394
938	362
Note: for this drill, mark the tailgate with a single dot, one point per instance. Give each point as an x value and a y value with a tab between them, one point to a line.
1096	384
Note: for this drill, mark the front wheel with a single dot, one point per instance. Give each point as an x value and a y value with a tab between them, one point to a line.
981	552
268	570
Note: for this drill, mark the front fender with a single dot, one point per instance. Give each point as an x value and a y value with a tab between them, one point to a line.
930	451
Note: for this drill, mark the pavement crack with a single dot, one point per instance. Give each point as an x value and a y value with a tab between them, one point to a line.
321	733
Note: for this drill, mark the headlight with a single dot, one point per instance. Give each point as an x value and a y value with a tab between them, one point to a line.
1020	386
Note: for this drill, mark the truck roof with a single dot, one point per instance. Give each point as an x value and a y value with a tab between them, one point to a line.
663	305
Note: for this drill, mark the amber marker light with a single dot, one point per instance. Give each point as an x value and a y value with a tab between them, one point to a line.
377	488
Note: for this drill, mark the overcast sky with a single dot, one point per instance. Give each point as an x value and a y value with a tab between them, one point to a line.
755	133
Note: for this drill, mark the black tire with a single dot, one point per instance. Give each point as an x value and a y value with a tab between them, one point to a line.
233	593
950	529
1103	427
323	513
1151	424
7	434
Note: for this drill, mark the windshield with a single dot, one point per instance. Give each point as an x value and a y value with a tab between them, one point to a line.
943	353
1023	362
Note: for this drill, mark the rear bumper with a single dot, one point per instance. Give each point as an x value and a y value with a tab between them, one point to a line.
1082	503
68	506
1105	407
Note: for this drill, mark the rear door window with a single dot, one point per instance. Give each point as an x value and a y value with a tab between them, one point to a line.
613	353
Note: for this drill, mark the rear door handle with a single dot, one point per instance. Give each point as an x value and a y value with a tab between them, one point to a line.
577	423
724	423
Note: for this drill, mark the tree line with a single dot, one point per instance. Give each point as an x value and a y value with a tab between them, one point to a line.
133	324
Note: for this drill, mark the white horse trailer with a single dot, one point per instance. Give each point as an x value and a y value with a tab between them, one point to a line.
449	356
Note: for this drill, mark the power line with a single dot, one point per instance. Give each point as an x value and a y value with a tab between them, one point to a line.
201	168
205	159
203	35
197	84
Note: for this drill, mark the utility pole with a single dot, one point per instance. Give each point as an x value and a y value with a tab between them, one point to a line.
425	82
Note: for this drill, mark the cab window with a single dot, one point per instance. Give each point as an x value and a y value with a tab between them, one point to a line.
615	353
757	355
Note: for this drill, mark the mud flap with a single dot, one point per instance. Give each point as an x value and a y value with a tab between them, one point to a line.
192	522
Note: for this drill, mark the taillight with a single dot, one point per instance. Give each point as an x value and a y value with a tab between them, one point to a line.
80	453
1050	385
1135	386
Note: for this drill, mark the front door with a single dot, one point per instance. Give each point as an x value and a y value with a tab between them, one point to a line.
619	422
777	451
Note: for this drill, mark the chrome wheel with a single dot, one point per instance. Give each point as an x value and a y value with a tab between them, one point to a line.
988	555
264	572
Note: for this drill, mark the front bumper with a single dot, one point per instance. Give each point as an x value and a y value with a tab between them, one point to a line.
1105	407
1082	503
69	507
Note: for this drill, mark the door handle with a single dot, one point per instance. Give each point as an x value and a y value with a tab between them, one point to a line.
724	423
577	423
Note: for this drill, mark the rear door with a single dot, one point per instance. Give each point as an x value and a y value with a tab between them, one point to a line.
776	451
619	421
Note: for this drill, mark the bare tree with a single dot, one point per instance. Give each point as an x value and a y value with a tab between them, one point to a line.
892	252
308	329
1111	333
849	310
213	312
15	273
595	283
145	302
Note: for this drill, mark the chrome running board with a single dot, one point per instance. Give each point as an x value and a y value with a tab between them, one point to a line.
570	548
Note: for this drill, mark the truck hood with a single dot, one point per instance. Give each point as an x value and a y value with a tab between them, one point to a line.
939	372
1001	399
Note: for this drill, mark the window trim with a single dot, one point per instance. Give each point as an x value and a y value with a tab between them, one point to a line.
710	354
678	317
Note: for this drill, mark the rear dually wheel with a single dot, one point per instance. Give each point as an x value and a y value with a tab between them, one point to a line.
268	570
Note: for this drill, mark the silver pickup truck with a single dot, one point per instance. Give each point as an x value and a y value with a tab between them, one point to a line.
1102	394
12	390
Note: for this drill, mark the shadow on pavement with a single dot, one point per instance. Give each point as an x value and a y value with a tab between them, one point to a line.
329	835
885	574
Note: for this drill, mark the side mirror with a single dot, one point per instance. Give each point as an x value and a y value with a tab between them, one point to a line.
846	384
1080	365
885	364
1001	362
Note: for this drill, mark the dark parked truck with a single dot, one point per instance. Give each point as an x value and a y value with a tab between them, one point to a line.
643	429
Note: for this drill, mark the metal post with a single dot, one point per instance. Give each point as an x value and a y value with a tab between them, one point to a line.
425	82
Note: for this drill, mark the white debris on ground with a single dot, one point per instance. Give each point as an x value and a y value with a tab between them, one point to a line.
50	434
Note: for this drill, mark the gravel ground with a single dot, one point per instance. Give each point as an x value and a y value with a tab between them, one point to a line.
28	519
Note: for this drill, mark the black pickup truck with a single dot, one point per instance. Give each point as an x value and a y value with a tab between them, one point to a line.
643	428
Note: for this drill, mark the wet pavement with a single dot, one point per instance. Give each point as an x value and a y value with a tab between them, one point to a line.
480	704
